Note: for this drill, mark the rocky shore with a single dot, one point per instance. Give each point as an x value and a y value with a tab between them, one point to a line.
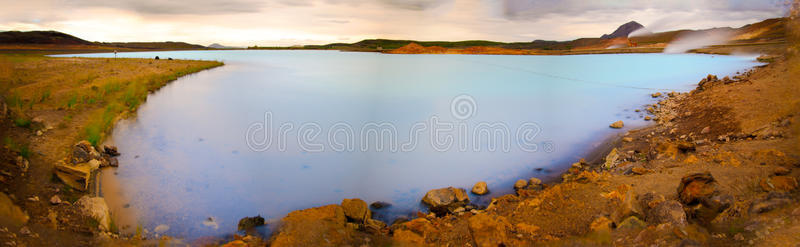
719	166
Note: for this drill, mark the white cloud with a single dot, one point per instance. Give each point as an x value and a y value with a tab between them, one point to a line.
287	22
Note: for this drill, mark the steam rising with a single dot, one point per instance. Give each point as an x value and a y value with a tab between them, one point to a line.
695	40
640	33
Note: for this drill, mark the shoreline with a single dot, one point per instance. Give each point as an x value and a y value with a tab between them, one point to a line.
488	226
592	155
68	110
610	142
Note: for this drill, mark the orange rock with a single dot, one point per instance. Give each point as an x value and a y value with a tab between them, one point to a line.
640	170
691	159
770	157
779	183
235	243
407	237
600	224
489	231
695	186
312	226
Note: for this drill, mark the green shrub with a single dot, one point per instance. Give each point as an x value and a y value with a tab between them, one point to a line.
22	122
72	101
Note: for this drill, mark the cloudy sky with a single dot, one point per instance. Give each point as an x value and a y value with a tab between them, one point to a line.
289	22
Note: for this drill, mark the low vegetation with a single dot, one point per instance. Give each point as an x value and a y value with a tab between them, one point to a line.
92	91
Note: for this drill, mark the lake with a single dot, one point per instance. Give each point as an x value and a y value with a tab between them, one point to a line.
276	131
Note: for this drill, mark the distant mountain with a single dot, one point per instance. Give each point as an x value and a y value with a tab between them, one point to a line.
40	37
168	45
219	46
623	31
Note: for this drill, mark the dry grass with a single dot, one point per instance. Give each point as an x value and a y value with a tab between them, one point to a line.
98	88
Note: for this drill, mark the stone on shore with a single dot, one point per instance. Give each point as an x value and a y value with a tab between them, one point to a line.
699	193
696	186
55	200
445	200
535	181
248	223
670	211
520	184
617	125
83	151
110	150
380	204
76	176
611	159
96	208
356	210
480	188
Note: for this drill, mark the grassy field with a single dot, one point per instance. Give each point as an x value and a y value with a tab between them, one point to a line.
99	88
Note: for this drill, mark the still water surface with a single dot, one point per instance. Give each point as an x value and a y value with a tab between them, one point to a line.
186	162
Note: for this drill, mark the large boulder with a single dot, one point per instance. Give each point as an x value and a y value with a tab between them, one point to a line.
76	176
310	227
356	210
617	125
445	200
96	208
696	186
702	199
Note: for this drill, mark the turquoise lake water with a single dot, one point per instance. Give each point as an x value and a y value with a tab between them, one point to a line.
197	150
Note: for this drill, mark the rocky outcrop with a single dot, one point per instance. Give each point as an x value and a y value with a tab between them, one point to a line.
617	125
445	200
97	209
